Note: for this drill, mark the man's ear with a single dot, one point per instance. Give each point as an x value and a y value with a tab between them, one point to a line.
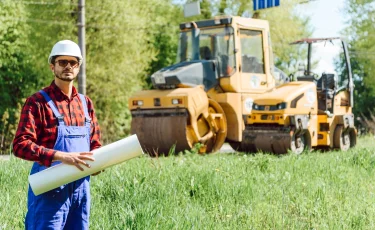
52	67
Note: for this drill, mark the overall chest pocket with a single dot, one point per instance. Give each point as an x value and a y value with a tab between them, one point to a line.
75	136
75	139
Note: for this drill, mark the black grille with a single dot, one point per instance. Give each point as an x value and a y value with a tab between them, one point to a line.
159	112
268	127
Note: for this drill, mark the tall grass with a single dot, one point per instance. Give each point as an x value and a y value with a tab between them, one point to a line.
328	190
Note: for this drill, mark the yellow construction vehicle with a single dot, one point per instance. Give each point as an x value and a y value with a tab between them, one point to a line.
222	65
314	111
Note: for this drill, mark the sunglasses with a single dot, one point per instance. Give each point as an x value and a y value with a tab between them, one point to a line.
64	63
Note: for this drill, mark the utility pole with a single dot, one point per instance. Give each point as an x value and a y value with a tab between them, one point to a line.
82	45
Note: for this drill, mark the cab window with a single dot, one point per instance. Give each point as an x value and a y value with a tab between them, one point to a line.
252	51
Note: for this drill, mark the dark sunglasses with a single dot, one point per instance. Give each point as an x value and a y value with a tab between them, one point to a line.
64	63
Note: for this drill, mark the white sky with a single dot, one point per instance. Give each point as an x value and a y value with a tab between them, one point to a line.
327	16
327	19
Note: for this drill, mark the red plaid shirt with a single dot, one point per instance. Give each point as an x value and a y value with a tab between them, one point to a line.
37	130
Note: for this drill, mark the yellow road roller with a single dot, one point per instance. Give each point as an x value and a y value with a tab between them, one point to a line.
312	111
222	65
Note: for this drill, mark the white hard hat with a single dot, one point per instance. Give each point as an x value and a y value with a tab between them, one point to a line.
65	48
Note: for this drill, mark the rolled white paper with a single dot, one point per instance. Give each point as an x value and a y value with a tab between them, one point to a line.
105	157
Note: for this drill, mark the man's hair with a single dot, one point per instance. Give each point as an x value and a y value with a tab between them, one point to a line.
53	59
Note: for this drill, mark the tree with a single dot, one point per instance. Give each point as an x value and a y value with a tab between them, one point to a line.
164	39
16	72
361	35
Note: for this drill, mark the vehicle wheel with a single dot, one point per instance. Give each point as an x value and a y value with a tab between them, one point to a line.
300	143
236	146
353	137
341	139
240	147
218	127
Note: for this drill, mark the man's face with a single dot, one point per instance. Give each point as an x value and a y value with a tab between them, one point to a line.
65	68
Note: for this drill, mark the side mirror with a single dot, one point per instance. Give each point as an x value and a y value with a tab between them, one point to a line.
290	78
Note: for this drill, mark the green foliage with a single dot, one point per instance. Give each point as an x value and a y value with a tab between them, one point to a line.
164	38
330	190
17	77
361	35
49	23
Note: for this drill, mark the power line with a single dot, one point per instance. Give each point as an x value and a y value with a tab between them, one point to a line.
88	8
42	3
57	11
38	21
93	8
94	26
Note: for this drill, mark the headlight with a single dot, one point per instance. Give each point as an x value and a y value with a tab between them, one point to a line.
138	103
176	101
281	105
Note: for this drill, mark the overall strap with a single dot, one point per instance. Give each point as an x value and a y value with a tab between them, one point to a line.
52	105
84	105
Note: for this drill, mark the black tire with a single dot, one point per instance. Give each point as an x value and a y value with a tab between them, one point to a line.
300	143
353	137
239	147
341	139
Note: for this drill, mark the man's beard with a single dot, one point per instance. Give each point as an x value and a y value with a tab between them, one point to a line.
64	77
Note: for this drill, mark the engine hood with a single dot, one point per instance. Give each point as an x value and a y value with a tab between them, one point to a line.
286	93
190	73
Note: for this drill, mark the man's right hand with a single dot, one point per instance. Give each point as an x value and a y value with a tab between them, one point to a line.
74	158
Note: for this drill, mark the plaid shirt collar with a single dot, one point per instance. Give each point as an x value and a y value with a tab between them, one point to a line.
60	95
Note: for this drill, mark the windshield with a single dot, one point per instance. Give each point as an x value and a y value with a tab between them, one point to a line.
209	44
327	57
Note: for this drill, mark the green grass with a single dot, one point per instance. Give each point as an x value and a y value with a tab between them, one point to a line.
317	190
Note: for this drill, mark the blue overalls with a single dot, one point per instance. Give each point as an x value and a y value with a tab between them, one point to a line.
66	207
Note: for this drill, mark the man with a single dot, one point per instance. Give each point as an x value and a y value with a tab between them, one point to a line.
58	125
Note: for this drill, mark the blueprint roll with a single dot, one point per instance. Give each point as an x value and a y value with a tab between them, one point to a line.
105	157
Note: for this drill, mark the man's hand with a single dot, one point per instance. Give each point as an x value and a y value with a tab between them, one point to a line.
75	158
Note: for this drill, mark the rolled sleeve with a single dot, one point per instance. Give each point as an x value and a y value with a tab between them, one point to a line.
24	143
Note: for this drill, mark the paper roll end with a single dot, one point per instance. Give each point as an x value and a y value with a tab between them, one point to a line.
140	146
32	182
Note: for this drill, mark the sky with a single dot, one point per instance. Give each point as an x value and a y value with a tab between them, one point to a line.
328	19
326	16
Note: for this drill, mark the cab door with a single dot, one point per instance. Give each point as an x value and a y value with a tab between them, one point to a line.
252	68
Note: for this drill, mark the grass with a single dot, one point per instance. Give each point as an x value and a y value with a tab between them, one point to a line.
330	190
